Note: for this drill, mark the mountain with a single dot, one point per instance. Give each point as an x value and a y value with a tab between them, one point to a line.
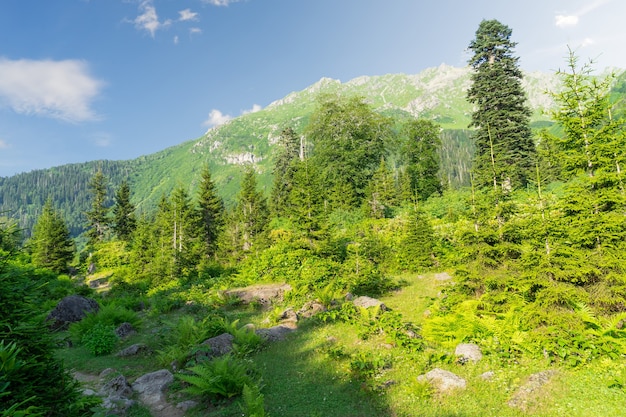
436	93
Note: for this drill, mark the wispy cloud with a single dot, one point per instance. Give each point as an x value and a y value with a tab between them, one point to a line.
187	14
148	20
566	20
58	89
4	144
195	31
216	118
219	2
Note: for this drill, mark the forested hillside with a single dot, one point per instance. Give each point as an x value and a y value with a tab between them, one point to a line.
437	94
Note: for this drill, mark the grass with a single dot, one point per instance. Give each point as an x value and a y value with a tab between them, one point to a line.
312	372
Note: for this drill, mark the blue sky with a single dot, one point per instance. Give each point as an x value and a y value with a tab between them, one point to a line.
115	79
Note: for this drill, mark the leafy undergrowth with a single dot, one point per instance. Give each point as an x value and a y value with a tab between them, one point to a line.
352	364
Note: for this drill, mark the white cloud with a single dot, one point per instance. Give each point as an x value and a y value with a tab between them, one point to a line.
58	89
216	118
148	20
564	21
255	108
195	31
176	40
4	144
187	14
219	2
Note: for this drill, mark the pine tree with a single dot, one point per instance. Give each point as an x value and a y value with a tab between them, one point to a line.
51	245
306	201
211	213
97	217
284	170
420	154
251	213
505	153
381	192
124	222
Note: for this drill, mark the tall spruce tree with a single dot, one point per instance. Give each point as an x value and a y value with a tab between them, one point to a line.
284	171
505	152
211	213
251	214
97	218
124	221
51	245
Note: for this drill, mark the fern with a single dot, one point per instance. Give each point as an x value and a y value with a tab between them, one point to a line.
222	377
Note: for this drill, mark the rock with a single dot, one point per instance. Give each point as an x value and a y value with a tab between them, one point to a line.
443	380
530	389
151	387
276	333
89	392
106	372
186	405
117	387
124	329
468	352
117	405
289	315
310	309
367	302
132	350
71	309
487	376
443	276
216	346
263	294
349	297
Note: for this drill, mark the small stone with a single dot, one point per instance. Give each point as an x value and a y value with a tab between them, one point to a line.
368	302
487	376
443	380
186	405
468	352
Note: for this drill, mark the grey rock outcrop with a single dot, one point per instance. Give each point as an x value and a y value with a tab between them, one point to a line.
151	387
367	302
468	352
263	294
216	346
71	309
124	329
443	380
274	334
310	309
530	389
133	350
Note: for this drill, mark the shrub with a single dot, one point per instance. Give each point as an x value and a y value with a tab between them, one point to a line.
100	339
186	333
222	377
110	315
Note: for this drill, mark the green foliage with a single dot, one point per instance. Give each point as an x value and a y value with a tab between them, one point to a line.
222	377
51	245
100	339
211	213
184	334
348	140
505	151
111	315
421	143
124	221
245	340
253	401
98	222
366	365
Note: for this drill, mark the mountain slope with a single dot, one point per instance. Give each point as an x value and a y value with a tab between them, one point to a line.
436	93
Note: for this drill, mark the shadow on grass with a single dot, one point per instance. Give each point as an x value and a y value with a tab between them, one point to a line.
301	382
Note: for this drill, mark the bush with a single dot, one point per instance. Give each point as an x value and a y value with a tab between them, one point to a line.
100	339
223	377
185	334
110	315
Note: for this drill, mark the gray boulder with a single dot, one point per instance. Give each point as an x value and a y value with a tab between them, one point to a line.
71	309
263	294
531	389
367	302
274	334
444	380
467	352
151	387
216	346
310	309
133	350
124	329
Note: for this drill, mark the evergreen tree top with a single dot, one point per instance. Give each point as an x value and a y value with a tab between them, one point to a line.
492	44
